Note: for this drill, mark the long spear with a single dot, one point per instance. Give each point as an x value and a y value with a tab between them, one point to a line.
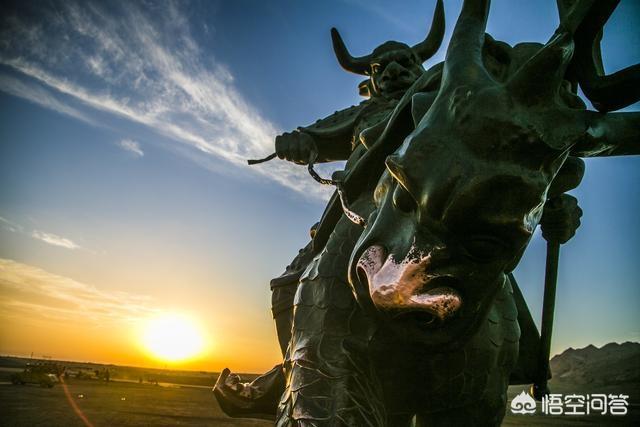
540	387
568	178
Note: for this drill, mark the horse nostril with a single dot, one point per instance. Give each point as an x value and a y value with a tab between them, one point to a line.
437	282
361	273
419	318
370	262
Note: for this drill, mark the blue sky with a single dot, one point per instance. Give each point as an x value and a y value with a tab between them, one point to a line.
124	191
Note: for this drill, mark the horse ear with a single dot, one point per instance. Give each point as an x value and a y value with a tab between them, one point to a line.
539	79
463	62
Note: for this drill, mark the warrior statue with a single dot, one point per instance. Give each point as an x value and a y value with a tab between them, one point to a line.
390	69
404	305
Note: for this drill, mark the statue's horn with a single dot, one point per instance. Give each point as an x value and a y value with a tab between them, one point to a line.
358	65
430	45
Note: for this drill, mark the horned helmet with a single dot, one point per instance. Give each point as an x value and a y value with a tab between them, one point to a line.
393	66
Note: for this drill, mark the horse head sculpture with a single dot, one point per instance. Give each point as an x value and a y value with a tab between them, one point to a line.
460	199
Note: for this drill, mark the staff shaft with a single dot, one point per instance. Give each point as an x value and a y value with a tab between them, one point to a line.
548	310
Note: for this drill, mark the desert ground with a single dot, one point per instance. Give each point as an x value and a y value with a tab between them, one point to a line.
113	404
143	397
132	404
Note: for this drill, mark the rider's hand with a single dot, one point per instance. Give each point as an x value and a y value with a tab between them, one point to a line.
295	147
560	218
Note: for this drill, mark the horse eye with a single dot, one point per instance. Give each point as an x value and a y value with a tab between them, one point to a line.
403	200
378	194
484	248
382	188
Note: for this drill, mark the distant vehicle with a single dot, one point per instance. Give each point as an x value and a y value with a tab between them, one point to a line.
37	374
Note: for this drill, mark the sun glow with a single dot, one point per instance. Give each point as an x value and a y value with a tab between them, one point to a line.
173	338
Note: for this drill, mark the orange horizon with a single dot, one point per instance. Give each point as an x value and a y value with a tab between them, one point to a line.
49	314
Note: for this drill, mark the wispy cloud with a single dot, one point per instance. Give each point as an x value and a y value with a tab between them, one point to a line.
146	67
54	240
10	225
48	238
29	290
41	96
131	146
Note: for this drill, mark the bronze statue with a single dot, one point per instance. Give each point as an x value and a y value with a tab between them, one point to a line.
391	69
408	307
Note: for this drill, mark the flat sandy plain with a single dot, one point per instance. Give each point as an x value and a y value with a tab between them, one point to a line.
133	404
184	398
113	404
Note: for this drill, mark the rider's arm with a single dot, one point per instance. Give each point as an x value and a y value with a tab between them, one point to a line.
330	137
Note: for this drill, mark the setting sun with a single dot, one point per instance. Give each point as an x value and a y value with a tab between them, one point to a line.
173	338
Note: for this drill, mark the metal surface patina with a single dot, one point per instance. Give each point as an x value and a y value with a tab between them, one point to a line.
403	304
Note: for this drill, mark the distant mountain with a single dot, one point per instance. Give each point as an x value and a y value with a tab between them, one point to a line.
611	365
610	369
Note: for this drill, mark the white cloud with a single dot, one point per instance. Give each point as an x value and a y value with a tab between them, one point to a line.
131	146
41	96
42	236
145	68
54	240
10	225
26	289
